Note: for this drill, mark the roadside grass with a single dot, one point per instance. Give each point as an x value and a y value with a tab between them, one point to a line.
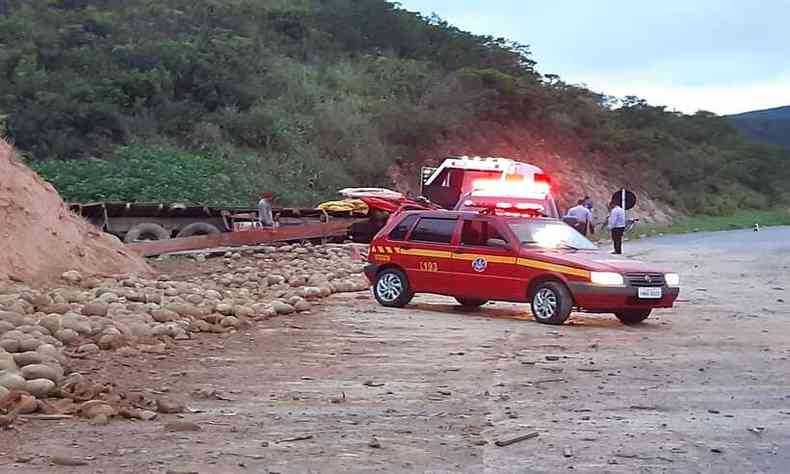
742	219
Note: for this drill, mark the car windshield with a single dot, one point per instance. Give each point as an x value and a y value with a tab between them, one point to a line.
549	234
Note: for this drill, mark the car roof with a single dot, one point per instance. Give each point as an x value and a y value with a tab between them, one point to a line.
446	214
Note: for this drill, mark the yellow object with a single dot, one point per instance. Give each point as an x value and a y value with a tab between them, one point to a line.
346	205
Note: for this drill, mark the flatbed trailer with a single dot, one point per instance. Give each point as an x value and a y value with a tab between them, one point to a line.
136	222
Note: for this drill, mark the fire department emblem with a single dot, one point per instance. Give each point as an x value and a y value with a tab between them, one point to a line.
480	264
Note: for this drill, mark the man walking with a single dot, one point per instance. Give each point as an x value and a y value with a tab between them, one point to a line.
583	217
616	225
265	217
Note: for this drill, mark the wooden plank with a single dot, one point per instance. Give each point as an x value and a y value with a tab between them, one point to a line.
333	228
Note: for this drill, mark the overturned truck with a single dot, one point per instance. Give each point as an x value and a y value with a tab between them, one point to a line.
135	222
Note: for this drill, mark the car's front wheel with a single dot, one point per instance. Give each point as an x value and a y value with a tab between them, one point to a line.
392	288
551	303
633	316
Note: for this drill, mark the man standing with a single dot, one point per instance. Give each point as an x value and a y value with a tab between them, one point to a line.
583	217
617	225
265	217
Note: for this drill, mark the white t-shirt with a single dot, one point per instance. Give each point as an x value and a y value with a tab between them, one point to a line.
581	213
617	218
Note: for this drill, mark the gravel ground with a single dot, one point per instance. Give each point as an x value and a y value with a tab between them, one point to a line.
701	388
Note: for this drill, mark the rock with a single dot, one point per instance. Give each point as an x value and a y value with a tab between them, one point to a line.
153	348
100	420
12	381
67	336
7	362
67	461
29	344
107	341
302	306
94	408
40	388
27	404
164	405
311	292
3	392
282	308
95	308
88	349
9	345
374	443
225	309
42	371
181	426
56	308
230	321
164	315
27	358
72	276
147	415
241	311
6	326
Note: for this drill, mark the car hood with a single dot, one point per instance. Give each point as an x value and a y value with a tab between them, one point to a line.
596	261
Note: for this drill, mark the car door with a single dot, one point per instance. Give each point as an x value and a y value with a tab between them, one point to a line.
485	262
426	254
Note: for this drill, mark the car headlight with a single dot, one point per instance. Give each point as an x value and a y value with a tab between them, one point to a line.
672	279
607	278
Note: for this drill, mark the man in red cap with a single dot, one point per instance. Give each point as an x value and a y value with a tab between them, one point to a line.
265	217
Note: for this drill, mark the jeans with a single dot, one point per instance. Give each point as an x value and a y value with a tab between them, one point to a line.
617	238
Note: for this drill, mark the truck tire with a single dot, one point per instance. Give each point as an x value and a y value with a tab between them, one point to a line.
633	316
198	228
146	231
551	302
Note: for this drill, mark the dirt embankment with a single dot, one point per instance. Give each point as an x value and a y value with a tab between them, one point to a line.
40	239
575	174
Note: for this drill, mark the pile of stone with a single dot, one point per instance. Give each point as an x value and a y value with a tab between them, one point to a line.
39	328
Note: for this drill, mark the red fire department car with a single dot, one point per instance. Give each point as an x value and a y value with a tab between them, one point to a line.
511	255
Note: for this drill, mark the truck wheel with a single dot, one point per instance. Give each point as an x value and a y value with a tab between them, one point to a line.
198	228
470	303
146	231
633	316
392	288
551	303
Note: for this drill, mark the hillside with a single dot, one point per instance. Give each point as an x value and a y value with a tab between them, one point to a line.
766	126
214	101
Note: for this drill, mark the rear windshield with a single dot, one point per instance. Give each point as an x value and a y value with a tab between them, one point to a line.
549	234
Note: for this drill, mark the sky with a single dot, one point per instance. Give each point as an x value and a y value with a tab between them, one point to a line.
724	56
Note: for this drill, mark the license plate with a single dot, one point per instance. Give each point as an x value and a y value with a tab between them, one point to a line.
650	293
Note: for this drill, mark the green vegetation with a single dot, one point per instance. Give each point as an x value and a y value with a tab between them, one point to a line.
742	219
215	100
770	126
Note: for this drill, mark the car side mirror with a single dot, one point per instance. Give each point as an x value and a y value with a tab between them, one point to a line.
570	220
498	243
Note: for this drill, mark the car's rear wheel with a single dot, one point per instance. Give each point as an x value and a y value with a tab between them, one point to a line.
470	302
633	316
551	303
392	288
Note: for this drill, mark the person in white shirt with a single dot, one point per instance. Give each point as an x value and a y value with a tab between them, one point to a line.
265	218
616	225
583	217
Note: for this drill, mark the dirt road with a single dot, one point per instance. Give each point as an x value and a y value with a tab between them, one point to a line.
702	388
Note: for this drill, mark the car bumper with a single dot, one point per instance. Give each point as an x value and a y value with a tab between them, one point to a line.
601	298
371	271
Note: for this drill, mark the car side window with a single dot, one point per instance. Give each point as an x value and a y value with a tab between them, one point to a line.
479	233
431	229
400	230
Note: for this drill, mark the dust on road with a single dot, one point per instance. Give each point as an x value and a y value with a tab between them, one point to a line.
701	388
